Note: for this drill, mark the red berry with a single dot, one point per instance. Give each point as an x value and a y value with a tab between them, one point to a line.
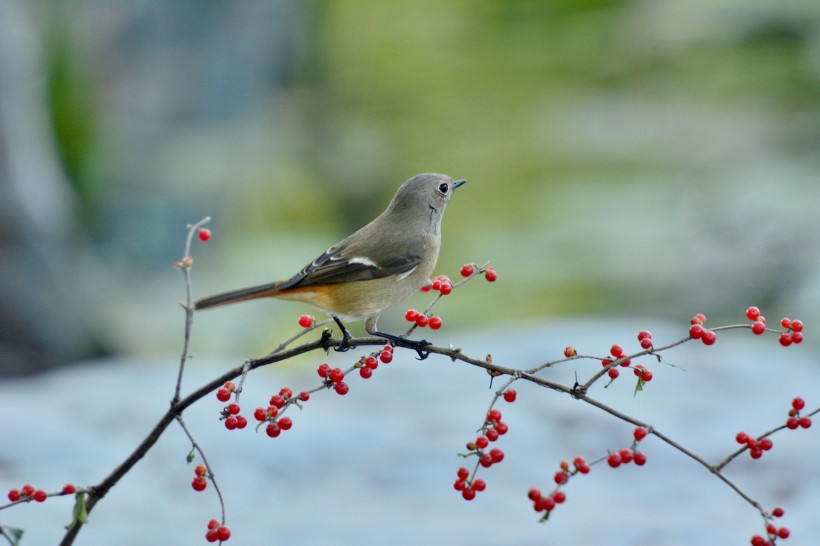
534	494
386	356
342	388
492	435
213	524
467	270
223	533
199	483
14	495
644	334
509	395
766	444
785	322
336	375
497	455
27	490
758	540
700	318
805	422
545	504
798	403
771	529
277	401
797	326
39	495
446	288
570	351
479	485
435	323
411	315
646	343
752	313
459	485
273	429
425	288
785	339
696	331
783	533
366	372
223	394
422	320
468	493
241	422
616	351
285	423
204	234
756	453
626	455
490	274
613	373
758	327
741	437
371	362
233	409
210	536
708	337
646	376
463	473
200	470
323	370
614	460
797	337
481	442
286	393
304	396
69	489
778	512
561	477
639	458
792	423
639	434
231	423
486	460
559	497
305	321
260	414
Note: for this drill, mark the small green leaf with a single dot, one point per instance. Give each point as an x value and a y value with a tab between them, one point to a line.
639	386
80	512
12	533
191	455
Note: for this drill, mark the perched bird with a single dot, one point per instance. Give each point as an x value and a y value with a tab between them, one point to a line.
376	267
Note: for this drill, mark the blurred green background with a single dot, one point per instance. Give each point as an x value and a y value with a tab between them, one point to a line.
651	158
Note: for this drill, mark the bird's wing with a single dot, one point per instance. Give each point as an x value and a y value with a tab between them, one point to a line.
334	266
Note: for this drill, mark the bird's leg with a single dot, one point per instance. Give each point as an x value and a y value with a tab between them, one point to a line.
346	337
417	345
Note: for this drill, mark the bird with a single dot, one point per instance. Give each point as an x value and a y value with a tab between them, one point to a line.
374	268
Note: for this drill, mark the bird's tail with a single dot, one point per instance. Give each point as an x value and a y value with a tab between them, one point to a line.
234	296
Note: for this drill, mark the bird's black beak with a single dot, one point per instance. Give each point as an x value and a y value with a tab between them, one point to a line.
457	183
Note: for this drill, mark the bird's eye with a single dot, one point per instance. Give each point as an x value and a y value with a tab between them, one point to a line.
443	187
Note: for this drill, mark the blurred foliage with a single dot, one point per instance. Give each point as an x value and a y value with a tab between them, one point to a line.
622	156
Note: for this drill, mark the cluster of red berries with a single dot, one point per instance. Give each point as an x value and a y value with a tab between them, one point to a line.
493	427
794	419
199	482
275	405
468	488
546	503
422	320
617	353
772	531
794	328
306	321
233	420
698	331
28	492
334	376
367	365
217	532
756	448
204	234
441	284
468	270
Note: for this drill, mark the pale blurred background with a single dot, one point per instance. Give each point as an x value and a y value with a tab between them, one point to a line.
628	161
